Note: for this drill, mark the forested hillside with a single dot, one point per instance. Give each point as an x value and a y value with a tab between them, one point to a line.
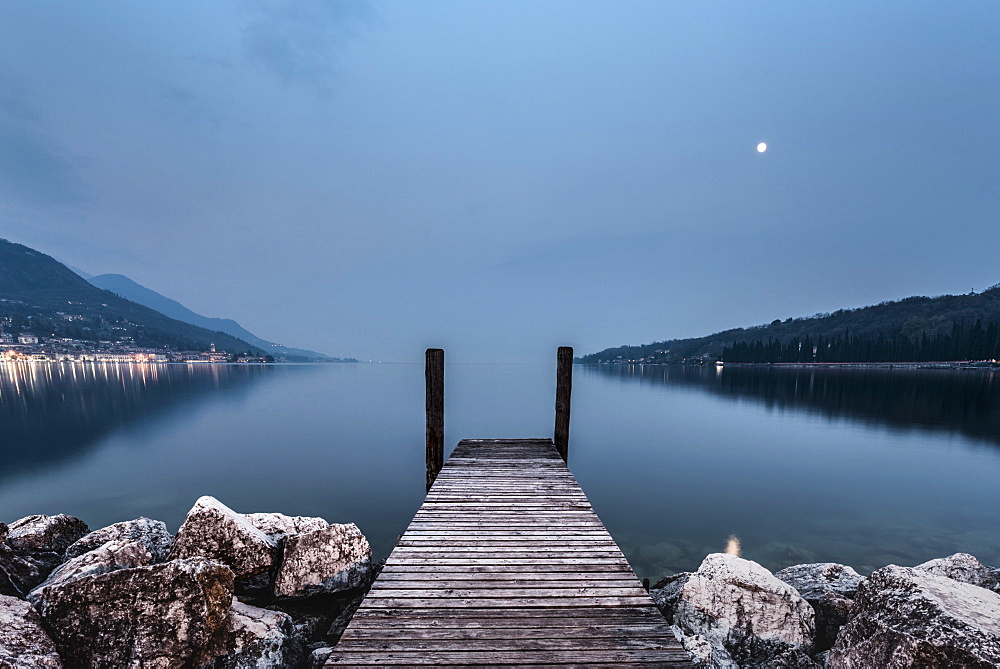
949	327
41	295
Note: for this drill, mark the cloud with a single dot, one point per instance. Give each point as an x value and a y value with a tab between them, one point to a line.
298	40
34	168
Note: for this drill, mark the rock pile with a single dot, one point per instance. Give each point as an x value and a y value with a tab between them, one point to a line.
734	613
230	590
264	590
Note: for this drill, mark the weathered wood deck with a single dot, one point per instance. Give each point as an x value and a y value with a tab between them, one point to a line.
506	563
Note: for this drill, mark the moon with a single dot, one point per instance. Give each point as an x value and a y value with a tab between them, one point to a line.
762	147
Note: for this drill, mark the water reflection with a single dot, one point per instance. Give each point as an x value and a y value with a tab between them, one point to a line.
674	459
956	401
54	412
861	466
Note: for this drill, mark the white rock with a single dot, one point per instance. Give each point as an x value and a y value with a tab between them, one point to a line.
252	638
817	579
906	617
155	616
740	607
151	533
829	587
110	557
704	654
317	659
213	530
332	559
278	526
23	642
45	533
961	567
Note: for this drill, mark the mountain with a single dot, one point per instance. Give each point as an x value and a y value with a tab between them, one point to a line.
41	295
910	323
130	290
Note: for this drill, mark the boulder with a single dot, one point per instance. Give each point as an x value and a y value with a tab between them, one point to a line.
278	526
252	638
3	531
22	570
962	567
151	533
793	658
155	616
23	642
742	611
329	560
213	530
666	593
45	534
906	617
112	556
32	547
703	654
829	588
817	579
318	657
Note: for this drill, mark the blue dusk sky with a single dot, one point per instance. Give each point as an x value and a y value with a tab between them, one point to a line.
499	178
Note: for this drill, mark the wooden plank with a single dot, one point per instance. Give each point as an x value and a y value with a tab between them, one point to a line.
532	591
502	549
664	657
438	618
499	602
485	569
402	574
506	563
385	617
414	534
570	628
651	642
418	582
498	561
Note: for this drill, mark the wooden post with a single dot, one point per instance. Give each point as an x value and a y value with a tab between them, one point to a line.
564	388
434	375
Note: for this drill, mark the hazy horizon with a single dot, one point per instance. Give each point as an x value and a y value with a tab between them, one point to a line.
369	179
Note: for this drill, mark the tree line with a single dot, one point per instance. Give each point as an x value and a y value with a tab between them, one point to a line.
978	342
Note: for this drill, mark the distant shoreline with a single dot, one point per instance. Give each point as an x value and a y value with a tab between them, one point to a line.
958	364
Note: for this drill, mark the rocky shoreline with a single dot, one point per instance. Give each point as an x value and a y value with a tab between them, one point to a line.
733	612
235	590
229	591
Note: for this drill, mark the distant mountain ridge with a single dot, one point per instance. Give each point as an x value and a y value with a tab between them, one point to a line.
131	290
911	317
40	294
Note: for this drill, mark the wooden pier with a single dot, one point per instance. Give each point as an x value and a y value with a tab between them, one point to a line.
506	563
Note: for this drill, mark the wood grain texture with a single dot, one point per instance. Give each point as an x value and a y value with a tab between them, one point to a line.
507	564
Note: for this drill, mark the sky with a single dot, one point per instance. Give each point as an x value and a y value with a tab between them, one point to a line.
369	179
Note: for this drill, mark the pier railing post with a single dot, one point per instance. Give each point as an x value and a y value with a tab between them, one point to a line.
564	389
434	376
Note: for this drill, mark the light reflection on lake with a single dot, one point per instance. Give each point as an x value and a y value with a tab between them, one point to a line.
864	467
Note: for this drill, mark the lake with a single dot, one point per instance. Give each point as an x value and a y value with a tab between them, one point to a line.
861	466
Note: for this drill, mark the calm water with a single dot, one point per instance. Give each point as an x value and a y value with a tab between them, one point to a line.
866	467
